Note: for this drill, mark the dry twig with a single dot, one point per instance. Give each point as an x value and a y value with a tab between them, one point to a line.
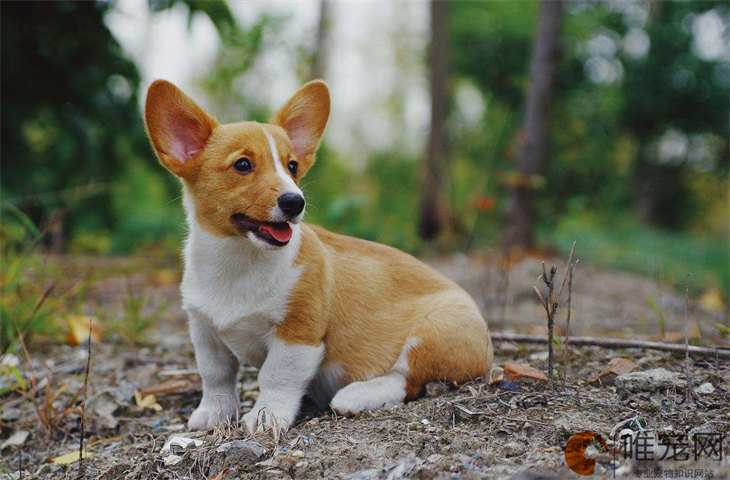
686	339
83	407
617	343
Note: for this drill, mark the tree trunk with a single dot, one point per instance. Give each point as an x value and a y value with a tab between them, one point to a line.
321	48
433	206
534	157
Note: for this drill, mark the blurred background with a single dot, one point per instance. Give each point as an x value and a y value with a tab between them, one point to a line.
456	126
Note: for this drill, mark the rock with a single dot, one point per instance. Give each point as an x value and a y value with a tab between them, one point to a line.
15	440
705	389
616	366
434	389
242	451
514	449
518	371
238	453
539	356
11	414
650	380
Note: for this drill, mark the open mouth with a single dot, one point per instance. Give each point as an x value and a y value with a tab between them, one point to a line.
273	233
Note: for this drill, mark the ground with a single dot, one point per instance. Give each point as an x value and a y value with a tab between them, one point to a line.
515	428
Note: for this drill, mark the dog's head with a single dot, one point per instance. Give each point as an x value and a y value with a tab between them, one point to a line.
243	178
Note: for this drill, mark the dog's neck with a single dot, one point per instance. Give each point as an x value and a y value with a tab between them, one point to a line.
234	255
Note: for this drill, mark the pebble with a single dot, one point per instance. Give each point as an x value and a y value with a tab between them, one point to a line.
705	388
11	414
514	449
242	451
650	380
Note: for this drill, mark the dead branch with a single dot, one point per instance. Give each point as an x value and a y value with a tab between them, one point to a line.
550	304
83	408
566	349
617	343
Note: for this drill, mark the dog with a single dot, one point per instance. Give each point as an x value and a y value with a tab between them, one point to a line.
353	324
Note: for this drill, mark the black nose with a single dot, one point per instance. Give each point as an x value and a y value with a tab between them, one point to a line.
291	204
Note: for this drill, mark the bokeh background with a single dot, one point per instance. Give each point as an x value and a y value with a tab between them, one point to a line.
429	144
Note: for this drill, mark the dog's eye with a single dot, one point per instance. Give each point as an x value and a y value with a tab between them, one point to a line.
293	166
243	165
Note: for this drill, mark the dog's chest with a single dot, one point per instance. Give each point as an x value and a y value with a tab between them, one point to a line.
243	295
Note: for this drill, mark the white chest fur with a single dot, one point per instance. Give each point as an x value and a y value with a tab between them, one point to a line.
242	291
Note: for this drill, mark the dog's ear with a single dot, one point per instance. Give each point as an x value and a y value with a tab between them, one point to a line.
177	127
304	118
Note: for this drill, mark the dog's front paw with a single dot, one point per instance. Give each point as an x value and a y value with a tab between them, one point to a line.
208	415
262	417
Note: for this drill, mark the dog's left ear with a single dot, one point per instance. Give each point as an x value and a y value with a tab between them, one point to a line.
304	118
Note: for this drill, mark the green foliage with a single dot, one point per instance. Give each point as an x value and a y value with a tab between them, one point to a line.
627	244
605	131
69	108
659	314
138	315
26	305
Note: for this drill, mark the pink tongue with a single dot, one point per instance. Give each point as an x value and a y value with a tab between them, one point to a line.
281	234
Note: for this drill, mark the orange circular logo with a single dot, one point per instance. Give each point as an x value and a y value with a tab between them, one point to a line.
575	452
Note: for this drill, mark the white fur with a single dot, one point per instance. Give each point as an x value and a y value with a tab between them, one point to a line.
377	392
287	182
236	293
283	380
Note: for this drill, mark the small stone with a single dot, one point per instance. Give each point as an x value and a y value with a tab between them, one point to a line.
434	389
514	449
539	356
705	389
518	371
650	380
15	440
11	414
240	452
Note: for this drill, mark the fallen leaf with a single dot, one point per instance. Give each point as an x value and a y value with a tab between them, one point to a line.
617	366
78	329
711	300
147	401
518	371
167	387
15	440
220	474
70	457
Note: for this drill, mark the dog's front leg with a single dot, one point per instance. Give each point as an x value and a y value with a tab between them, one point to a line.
218	368
283	380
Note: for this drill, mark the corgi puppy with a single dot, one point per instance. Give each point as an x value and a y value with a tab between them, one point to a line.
353	324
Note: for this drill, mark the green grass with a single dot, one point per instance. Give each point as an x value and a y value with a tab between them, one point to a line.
625	244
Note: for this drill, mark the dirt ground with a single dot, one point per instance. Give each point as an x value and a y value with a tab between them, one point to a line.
509	428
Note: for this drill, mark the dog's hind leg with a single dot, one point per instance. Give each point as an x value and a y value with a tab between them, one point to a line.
377	392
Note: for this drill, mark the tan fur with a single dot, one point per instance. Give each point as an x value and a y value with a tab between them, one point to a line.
365	299
362	299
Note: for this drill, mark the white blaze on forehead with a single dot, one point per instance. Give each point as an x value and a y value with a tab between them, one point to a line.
288	184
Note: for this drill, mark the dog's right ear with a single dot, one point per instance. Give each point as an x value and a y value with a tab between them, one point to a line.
178	128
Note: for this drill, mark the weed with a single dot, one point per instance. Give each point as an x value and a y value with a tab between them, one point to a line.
139	313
